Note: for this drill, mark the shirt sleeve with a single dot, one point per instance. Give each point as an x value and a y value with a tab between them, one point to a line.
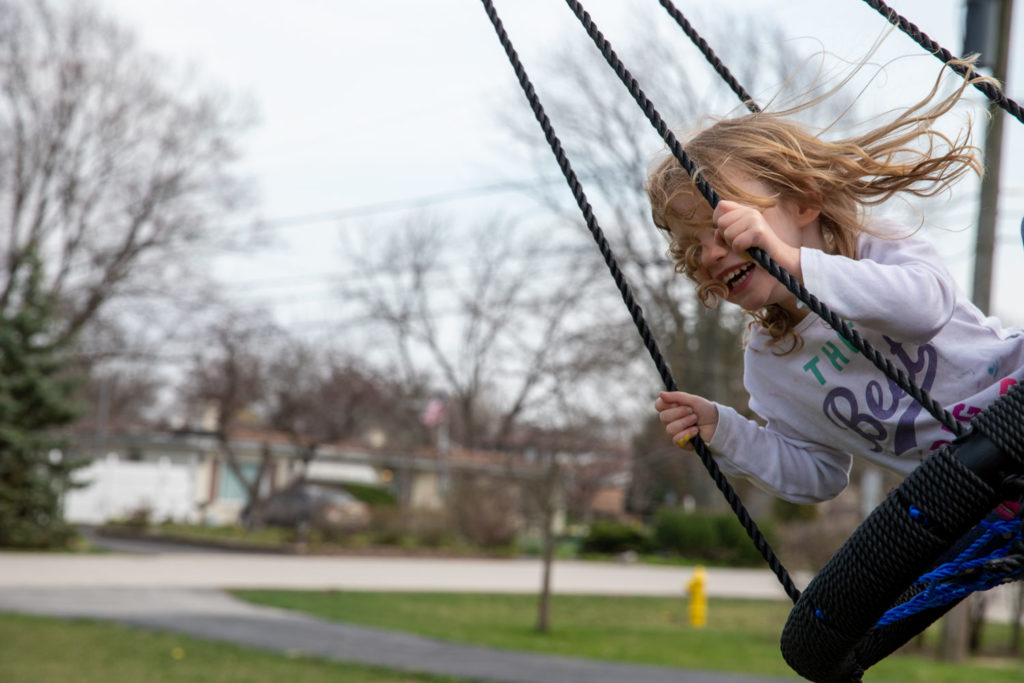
790	468
897	286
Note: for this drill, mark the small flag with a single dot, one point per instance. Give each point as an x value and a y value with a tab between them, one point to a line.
436	411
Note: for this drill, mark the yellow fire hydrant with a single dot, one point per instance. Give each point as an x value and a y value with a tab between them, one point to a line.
697	589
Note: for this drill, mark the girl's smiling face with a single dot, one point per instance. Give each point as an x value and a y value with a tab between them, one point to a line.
733	275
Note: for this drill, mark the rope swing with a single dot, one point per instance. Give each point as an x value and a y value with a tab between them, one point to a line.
883	585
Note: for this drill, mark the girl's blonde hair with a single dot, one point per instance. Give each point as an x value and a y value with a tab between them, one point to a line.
839	178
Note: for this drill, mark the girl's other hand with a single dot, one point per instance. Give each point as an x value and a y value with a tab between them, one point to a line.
743	227
685	416
775	230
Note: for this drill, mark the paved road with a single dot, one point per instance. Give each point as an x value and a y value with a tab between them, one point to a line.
214	615
182	592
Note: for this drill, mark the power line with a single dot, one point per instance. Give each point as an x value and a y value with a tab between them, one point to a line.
443	269
376	208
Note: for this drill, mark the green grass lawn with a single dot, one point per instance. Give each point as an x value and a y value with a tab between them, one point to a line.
44	650
741	635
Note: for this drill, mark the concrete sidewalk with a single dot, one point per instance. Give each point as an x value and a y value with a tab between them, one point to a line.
373	573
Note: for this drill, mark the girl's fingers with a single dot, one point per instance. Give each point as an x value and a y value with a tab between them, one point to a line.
684	440
672	414
678	426
678	412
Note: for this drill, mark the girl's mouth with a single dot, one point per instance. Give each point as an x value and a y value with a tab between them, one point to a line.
739	276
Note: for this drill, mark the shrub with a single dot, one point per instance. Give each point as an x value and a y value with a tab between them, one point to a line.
735	546
614	537
717	538
680	533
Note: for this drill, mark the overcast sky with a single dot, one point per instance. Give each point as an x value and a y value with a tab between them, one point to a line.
369	105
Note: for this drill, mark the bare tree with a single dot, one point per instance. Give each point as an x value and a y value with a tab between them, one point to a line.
495	318
317	396
564	460
229	377
112	167
545	494
117	397
250	373
515	324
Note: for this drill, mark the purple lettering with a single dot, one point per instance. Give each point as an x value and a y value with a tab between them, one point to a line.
927	360
841	408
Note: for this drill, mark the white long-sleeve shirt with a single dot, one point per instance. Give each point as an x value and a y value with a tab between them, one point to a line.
825	402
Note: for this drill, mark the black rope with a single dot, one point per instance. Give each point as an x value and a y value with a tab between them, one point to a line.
710	55
844	329
634	309
990	91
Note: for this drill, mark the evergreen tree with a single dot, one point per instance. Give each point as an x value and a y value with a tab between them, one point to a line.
35	391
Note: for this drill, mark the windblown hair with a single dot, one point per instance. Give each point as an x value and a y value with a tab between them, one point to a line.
840	178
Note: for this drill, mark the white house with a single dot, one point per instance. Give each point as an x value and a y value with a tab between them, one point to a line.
185	476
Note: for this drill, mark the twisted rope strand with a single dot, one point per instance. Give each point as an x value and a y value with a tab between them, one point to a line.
990	91
710	55
634	309
879	360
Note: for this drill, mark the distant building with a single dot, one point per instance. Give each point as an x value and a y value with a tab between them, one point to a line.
185	475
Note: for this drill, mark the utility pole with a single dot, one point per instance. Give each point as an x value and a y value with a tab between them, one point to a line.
988	33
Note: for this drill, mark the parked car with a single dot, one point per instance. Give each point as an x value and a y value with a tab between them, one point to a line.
306	505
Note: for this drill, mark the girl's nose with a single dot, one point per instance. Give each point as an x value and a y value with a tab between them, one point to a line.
713	249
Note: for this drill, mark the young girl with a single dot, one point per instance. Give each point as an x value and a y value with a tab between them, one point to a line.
802	199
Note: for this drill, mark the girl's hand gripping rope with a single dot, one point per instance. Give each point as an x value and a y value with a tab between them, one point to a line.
776	231
685	416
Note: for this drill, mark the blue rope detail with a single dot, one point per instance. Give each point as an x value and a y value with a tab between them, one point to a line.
918	516
964	575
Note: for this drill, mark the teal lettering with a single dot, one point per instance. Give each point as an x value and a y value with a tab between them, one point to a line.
812	366
834	355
